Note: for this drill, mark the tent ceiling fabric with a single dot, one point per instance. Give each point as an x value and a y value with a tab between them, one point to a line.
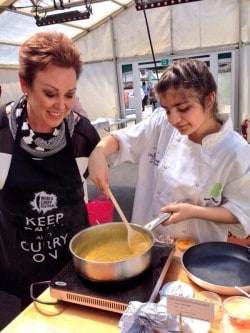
16	26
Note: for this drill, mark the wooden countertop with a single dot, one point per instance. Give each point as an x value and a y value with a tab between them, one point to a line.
63	318
72	318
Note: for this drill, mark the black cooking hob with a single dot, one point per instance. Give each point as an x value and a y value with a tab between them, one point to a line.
113	296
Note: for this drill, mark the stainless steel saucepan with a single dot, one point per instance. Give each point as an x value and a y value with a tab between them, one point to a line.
112	270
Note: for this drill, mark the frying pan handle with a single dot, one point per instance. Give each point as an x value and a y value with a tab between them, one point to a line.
157	221
34	298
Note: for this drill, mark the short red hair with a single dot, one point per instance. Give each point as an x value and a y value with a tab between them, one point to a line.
46	48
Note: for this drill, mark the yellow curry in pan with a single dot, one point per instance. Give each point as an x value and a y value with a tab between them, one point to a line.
106	246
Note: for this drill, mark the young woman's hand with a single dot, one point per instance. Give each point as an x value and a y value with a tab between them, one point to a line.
185	211
180	212
98	169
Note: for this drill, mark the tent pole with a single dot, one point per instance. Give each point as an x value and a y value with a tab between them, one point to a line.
238	107
151	45
117	89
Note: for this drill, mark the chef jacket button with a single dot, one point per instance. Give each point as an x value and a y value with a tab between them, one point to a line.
197	185
165	166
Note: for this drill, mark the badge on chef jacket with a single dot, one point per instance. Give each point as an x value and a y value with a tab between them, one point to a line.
215	192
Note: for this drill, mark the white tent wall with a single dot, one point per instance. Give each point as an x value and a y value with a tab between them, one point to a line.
245	21
186	27
8	75
131	33
97	45
244	65
9	84
96	90
244	91
219	23
97	83
198	25
205	24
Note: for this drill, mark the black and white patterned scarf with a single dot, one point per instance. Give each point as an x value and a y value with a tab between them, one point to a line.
31	141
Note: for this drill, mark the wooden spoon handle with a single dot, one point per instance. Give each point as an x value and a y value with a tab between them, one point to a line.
118	208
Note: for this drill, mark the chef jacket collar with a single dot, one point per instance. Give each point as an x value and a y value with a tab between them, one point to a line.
210	140
215	138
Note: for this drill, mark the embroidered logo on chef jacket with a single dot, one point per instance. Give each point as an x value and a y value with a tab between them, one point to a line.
44	202
154	158
215	193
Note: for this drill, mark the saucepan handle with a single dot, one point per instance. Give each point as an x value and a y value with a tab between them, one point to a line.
157	221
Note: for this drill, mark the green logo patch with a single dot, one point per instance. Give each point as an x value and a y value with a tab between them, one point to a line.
216	189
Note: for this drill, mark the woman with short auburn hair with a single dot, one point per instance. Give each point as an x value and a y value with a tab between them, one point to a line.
44	151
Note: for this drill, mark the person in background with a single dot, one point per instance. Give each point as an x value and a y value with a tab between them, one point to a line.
152	97
78	108
191	162
44	151
144	95
126	98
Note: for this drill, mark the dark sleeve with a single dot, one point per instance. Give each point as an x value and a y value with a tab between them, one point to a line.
6	139
85	138
3	117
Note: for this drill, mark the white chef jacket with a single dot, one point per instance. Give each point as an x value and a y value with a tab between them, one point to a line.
171	168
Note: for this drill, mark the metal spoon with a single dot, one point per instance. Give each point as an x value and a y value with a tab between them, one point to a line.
134	236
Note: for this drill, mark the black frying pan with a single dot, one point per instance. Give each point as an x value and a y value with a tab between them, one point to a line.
218	266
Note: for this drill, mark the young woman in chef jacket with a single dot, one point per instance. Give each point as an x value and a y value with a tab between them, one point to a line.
190	160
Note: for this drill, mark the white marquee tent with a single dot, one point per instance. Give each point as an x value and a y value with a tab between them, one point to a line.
115	45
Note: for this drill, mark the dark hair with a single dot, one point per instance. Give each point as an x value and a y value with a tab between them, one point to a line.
46	48
188	74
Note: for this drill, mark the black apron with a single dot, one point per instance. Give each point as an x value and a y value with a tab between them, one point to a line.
42	208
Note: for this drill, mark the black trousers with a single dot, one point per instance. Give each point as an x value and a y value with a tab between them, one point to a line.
144	101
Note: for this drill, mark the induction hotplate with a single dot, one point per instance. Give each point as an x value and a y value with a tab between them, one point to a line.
68	286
